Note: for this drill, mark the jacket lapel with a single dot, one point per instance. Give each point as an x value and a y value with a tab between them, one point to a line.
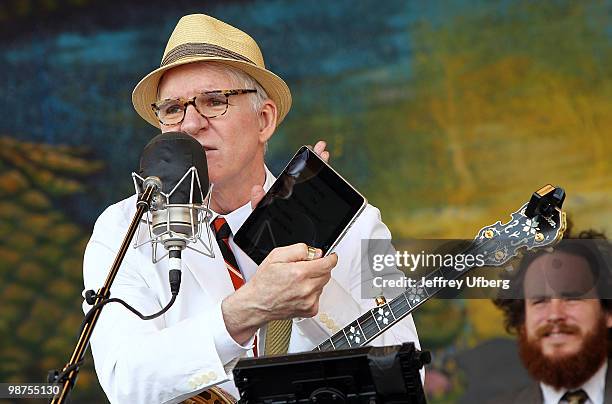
608	387
532	394
210	273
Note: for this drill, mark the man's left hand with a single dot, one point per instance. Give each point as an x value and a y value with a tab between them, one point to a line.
257	192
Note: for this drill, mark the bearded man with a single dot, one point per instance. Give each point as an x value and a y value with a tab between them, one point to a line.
563	321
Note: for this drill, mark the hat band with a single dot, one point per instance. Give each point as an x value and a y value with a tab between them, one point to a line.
200	49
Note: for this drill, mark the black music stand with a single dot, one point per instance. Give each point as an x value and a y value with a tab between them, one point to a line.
370	375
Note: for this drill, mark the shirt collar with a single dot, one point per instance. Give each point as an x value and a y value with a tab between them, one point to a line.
236	218
594	387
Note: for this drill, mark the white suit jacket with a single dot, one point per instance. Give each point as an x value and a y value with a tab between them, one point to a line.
188	349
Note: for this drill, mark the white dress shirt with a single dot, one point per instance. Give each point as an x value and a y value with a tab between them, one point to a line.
594	387
188	349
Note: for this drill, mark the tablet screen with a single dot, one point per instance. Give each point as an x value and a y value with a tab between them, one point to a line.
309	203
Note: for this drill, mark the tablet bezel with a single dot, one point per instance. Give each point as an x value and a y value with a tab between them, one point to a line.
334	180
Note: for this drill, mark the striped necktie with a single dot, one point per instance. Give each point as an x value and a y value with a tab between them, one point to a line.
278	333
278	336
575	397
222	234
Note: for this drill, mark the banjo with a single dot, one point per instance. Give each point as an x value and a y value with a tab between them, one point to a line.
537	224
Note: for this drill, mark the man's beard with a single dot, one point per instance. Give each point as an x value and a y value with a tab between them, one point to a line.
567	371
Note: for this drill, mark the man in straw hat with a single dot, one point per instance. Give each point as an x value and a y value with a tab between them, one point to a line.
212	84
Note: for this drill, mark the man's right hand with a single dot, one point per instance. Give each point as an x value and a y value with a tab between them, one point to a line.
286	285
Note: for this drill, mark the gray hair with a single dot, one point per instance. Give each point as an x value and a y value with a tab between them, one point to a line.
242	80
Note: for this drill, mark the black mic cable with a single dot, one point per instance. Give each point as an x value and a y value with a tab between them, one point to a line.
91	296
174	276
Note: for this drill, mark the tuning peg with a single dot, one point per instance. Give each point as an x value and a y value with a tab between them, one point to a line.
545	200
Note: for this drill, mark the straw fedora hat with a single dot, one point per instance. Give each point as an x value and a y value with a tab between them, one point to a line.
200	38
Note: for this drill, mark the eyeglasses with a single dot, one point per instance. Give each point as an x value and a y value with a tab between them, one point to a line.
209	104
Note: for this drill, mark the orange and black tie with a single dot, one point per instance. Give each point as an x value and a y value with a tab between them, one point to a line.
222	234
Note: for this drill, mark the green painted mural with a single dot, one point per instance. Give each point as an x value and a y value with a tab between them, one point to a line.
40	260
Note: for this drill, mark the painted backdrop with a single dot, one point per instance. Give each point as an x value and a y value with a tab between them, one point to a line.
447	115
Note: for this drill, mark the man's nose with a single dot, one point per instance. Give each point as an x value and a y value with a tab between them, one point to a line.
556	309
193	121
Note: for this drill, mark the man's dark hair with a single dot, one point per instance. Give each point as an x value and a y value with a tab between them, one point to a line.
590	244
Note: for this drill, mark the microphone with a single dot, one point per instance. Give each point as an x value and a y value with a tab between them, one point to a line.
174	173
176	163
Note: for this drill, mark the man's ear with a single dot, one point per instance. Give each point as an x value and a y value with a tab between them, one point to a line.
267	120
609	318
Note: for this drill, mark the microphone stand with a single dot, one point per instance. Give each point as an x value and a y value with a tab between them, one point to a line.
67	377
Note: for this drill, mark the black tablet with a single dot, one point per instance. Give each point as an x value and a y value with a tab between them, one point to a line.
308	203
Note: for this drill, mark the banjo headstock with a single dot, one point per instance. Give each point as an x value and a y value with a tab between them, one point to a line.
538	223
